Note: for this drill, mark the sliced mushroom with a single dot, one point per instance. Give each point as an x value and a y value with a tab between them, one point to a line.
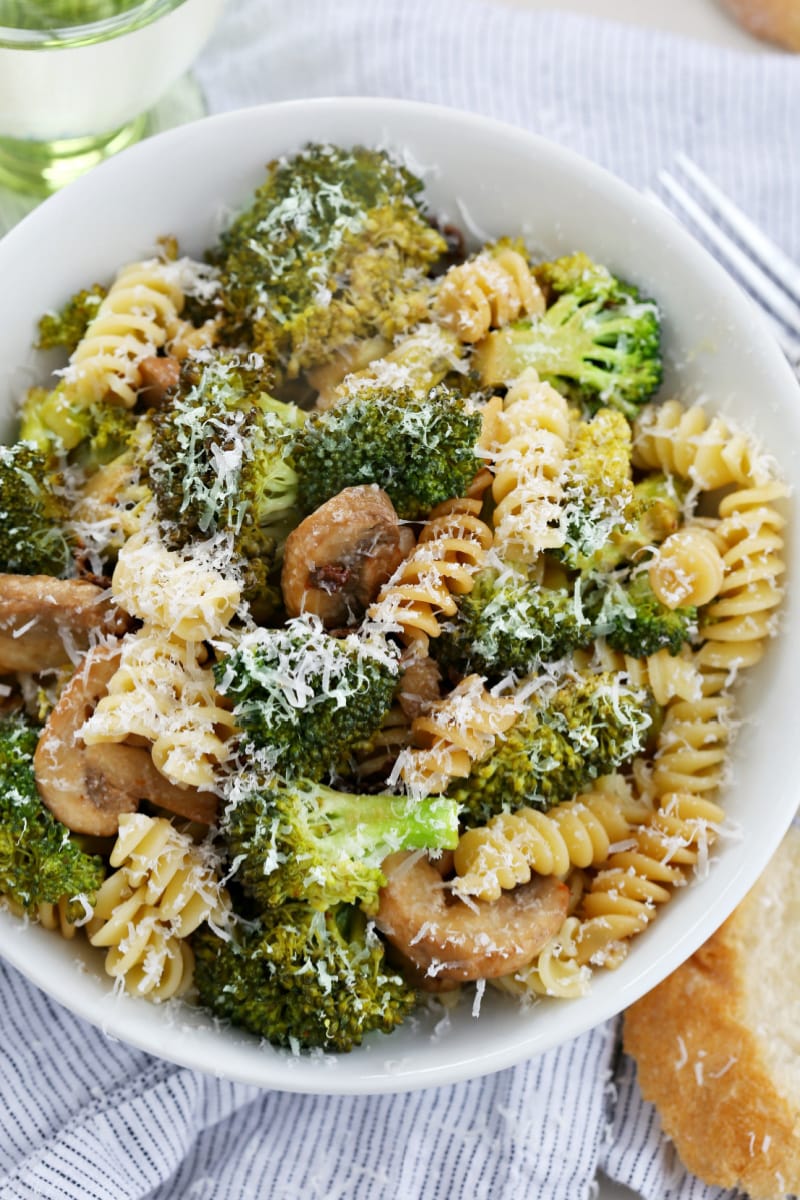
339	557
159	374
88	787
46	622
446	938
420	684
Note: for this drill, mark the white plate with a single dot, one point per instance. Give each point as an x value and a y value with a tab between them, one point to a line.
497	180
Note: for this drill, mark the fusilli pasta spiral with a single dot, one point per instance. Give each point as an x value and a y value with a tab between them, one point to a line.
687	568
688	443
736	625
162	891
450	549
455	733
512	846
555	971
666	675
487	292
130	324
183	597
54	916
622	899
526	445
164	693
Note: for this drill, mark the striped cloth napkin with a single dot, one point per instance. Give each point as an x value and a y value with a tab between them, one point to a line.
85	1118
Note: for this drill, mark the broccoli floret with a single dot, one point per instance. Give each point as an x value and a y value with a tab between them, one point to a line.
598	491
653	513
419	448
219	461
584	730
510	623
635	621
67	327
111	433
332	249
92	435
598	341
32	537
305	841
303	697
303	978
39	863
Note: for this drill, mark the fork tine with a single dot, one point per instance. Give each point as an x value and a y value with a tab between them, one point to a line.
764	288
790	345
785	271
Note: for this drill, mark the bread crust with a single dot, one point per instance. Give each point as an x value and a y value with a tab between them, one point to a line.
700	1061
775	20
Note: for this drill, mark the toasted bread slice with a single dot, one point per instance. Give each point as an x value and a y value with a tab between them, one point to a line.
775	20
717	1044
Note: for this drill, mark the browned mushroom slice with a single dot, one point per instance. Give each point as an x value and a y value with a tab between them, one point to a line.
446	938
159	374
42	619
339	557
420	684
88	787
130	770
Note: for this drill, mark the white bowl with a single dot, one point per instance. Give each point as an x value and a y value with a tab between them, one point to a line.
498	180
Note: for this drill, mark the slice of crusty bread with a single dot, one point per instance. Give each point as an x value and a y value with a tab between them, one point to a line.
775	20
717	1044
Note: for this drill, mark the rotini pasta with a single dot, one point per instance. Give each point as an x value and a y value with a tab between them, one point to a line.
162	891
454	734
668	676
738	622
526	446
449	551
487	292
623	897
163	692
182	597
555	971
131	324
691	752
513	846
687	568
55	917
687	442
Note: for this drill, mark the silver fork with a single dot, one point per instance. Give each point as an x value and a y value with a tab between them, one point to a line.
755	261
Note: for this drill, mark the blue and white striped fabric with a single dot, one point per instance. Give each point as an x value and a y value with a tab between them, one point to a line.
84	1118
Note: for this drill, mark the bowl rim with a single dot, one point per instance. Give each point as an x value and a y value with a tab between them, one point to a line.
306	1075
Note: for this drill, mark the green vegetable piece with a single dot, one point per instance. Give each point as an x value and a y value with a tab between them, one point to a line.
509	623
303	697
598	342
636	622
33	540
303	979
419	448
67	327
305	841
332	249
219	461
584	730
39	862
